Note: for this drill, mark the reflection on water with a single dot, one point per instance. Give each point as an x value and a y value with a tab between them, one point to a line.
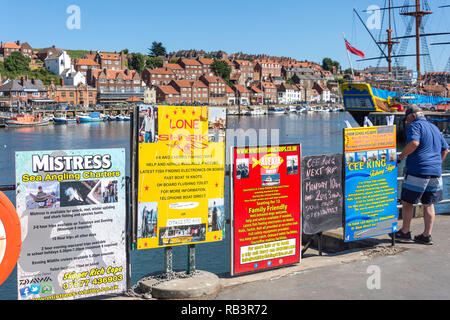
319	133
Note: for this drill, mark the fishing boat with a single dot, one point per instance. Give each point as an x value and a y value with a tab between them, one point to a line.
63	120
361	98
122	117
27	120
91	117
256	111
244	112
290	109
275	110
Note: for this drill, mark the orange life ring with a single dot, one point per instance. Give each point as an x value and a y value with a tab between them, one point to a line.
10	237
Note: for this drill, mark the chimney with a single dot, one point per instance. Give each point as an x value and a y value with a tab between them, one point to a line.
22	81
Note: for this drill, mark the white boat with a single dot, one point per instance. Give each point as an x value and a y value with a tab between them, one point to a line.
302	109
64	120
290	109
245	112
275	110
257	111
232	112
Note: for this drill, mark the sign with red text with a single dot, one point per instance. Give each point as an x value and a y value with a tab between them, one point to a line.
266	217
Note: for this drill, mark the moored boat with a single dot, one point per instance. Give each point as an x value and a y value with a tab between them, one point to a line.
275	110
290	109
63	120
27	120
91	117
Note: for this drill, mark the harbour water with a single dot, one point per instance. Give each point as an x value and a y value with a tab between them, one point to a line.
319	133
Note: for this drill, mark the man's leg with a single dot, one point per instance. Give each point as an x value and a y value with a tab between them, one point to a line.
407	215
428	218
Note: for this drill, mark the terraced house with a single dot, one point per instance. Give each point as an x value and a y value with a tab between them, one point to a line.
24	92
9	47
111	61
115	86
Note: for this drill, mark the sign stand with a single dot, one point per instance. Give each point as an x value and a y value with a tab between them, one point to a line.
319	243
191	259
168	260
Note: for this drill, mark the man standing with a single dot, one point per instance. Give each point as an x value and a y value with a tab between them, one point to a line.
425	150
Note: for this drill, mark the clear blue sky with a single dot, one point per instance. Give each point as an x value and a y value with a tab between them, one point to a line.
301	29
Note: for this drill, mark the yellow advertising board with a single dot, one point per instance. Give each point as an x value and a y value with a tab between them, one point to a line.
181	175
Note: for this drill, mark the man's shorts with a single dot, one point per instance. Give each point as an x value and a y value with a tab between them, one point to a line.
427	189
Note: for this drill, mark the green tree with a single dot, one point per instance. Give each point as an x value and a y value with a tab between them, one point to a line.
125	51
137	62
153	62
173	60
221	69
17	63
290	81
328	64
157	49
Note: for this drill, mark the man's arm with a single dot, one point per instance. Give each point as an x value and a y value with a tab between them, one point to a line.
444	154
410	148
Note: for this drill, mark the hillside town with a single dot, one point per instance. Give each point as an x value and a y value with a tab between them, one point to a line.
189	77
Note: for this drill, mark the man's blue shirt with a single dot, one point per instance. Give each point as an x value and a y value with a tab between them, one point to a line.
426	159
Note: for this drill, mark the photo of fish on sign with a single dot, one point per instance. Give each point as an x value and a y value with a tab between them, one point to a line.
42	195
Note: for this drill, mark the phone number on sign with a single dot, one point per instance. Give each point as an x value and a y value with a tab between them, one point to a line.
95	281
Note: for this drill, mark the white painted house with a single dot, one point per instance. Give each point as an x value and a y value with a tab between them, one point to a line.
73	78
59	62
289	94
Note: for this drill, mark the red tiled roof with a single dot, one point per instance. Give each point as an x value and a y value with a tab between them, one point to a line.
190	62
228	89
256	89
113	74
268	85
10	45
173	66
160	71
109	56
168	90
206	61
240	88
85	62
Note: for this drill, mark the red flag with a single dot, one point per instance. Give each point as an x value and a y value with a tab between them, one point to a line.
354	50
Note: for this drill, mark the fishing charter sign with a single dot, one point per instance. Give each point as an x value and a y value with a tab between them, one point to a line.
370	182
181	166
71	204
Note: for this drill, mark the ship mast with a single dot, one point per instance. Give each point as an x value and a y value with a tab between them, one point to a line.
418	14
389	43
